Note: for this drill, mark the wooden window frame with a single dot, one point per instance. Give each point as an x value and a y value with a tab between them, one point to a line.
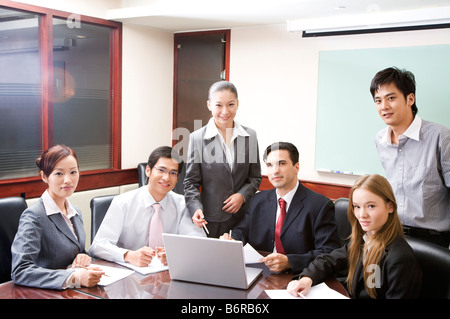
30	187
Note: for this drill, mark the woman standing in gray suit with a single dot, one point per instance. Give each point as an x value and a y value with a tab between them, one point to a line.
51	235
223	171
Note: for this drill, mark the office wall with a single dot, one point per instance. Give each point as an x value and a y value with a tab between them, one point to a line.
147	93
276	73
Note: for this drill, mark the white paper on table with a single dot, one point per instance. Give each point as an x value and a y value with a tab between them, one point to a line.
113	274
320	291
251	256
155	266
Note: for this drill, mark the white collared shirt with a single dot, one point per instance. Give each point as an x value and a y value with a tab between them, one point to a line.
212	131
127	221
51	208
413	131
288	199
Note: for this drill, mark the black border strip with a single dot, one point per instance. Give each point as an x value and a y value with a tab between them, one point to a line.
306	34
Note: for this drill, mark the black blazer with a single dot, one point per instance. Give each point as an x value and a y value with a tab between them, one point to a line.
400	274
308	230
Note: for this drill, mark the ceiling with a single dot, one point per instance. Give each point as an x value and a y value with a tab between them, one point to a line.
194	15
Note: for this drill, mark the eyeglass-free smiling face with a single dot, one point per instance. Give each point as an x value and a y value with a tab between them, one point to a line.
162	178
371	210
63	180
223	106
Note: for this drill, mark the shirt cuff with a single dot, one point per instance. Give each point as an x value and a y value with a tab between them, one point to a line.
73	281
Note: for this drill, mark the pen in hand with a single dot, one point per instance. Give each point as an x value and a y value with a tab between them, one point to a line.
302	295
80	266
205	228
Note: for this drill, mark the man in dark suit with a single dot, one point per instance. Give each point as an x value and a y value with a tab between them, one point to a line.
309	227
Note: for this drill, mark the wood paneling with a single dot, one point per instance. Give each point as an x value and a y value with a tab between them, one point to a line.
34	187
332	191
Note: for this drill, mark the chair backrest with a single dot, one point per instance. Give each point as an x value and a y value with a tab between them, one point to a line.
10	210
343	225
99	207
143	179
435	263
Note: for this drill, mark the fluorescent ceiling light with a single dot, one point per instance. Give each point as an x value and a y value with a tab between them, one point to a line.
374	20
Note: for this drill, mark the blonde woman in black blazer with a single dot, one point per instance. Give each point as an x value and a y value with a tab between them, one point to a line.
223	170
379	262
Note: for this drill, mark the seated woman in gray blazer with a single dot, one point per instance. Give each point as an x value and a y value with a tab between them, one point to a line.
51	236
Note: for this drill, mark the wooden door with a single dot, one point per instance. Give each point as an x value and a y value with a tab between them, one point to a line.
201	58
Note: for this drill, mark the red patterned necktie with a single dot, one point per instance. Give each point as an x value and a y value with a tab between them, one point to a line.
280	221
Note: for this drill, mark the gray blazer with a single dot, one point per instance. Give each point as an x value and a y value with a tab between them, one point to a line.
207	168
43	248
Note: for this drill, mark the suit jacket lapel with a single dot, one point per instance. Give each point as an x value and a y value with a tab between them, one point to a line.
271	207
241	151
61	224
294	209
215	153
79	230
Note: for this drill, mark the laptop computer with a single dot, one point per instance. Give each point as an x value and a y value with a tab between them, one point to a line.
208	261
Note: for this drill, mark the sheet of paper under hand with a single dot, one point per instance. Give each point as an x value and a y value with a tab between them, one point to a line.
155	266
251	256
320	291
112	274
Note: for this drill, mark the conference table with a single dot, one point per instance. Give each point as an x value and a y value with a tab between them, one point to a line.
160	286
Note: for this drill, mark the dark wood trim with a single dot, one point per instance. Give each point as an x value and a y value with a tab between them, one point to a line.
227	54
33	187
175	86
46	57
56	13
116	94
332	191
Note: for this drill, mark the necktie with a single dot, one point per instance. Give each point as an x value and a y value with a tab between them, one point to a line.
280	221
156	228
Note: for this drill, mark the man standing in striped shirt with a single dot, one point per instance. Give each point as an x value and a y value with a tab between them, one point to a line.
415	155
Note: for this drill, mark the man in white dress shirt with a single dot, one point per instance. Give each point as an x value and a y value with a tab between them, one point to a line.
124	233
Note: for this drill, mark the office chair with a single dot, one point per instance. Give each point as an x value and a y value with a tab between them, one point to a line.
343	225
99	207
435	263
10	210
143	179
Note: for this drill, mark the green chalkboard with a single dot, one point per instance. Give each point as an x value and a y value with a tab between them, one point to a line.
347	120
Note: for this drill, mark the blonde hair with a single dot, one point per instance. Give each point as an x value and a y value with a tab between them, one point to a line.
391	230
